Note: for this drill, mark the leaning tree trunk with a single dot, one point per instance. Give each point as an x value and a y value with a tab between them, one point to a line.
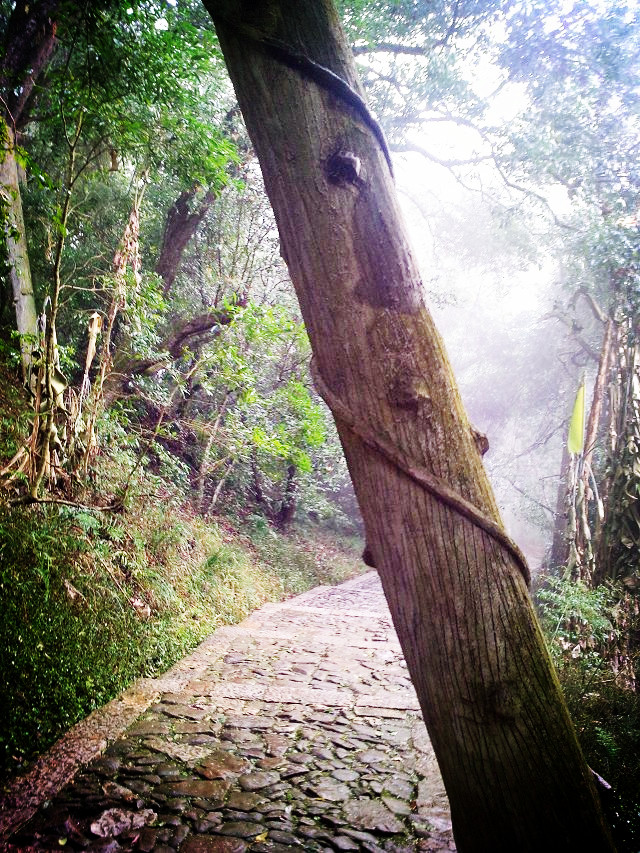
16	254
455	584
180	228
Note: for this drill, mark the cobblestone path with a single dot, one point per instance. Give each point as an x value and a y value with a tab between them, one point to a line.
296	730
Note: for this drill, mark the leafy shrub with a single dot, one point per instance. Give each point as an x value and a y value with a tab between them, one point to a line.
58	660
583	627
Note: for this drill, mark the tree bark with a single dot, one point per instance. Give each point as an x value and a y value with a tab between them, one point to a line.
509	756
560	546
286	512
595	412
17	257
179	230
29	43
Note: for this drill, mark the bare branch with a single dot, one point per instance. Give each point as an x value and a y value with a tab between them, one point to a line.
389	47
598	313
406	147
529	497
569	323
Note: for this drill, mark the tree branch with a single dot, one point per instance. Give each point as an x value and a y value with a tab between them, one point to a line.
180	227
406	147
389	47
598	313
174	346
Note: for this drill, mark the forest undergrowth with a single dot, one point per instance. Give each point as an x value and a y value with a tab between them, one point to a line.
91	600
583	627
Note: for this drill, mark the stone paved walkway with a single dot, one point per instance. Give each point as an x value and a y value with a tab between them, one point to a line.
296	730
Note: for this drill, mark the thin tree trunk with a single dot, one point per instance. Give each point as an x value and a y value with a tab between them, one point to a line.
54	383
230	464
256	480
595	412
589	524
17	257
559	545
204	464
287	511
510	760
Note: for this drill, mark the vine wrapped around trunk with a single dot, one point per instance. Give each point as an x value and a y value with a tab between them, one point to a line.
509	757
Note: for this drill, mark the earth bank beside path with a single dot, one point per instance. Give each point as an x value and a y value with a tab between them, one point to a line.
296	730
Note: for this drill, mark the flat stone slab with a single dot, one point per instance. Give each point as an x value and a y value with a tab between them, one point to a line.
244	801
208	789
207	844
180	751
221	764
257	780
372	815
330	789
182	712
241	829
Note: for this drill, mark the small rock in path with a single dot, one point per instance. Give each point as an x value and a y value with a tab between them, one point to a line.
328	789
345	775
398	807
241	829
114	822
221	764
214	789
373	815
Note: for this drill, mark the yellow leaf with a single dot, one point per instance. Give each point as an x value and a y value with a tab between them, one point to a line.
575	441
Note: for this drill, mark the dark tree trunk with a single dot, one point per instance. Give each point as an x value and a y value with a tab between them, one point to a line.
256	481
510	759
180	228
29	43
287	511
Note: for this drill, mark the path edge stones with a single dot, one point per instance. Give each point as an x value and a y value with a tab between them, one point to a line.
24	795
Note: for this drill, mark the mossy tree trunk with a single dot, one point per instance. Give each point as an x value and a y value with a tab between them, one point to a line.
16	254
510	760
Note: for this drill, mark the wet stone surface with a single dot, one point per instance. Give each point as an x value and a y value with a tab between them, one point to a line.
299	730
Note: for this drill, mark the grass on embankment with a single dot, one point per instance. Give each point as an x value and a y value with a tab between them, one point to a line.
89	602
